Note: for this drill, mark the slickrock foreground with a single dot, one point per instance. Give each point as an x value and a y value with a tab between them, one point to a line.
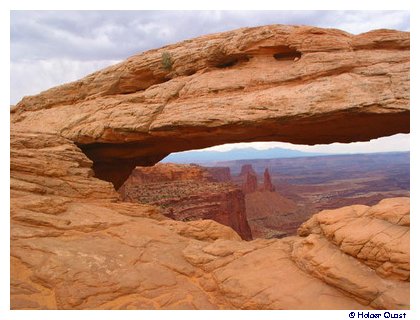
75	245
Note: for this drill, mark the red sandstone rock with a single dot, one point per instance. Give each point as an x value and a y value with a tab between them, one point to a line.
245	169
220	174
268	186
164	172
270	215
313	184
187	193
251	184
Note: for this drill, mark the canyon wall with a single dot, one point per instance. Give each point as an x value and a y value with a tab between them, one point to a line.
307	185
269	214
189	192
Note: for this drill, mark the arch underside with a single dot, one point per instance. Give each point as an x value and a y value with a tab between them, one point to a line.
114	161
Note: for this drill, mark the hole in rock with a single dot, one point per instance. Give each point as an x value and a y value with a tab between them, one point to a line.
229	60
283	53
268	189
190	72
287	56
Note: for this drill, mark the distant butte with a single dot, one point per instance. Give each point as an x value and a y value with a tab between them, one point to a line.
268	185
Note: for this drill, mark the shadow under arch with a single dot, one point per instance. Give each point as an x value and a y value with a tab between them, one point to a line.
114	162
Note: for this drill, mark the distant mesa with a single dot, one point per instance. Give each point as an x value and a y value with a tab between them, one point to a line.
219	174
208	156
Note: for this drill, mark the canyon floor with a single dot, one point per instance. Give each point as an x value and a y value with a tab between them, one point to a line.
305	186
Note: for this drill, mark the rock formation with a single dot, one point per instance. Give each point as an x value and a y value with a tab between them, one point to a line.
75	245
267	185
236	86
219	174
271	215
251	183
166	172
376	239
247	169
189	192
305	186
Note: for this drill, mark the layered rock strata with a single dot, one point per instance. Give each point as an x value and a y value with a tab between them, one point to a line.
373	240
187	192
271	215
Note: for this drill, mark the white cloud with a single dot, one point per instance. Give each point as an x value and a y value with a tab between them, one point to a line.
358	22
29	78
85	40
398	142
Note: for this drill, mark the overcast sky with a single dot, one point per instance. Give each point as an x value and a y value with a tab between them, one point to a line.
49	48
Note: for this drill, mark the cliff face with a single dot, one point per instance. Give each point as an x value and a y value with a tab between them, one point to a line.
305	186
75	245
187	193
268	185
165	173
251	183
250	180
247	169
269	214
219	174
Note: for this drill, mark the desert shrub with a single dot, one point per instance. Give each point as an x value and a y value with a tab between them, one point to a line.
166	61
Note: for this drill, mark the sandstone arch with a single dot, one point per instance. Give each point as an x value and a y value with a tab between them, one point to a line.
75	245
230	87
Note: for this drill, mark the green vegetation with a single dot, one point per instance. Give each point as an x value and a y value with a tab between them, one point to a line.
166	60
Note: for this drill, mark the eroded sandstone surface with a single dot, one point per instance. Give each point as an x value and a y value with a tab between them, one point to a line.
76	245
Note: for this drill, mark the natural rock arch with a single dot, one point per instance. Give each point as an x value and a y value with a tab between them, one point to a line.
253	84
